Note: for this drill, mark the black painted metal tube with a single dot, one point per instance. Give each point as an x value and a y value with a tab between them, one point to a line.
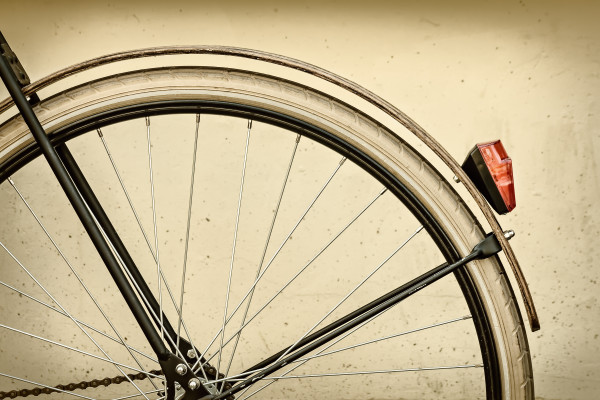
486	248
83	213
337	323
338	327
92	202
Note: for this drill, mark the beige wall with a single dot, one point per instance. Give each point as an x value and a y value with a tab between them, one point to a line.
523	71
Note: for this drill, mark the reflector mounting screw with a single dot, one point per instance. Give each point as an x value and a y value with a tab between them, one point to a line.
509	234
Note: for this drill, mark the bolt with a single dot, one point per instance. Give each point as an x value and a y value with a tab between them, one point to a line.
509	234
194	383
177	385
456	179
191	353
181	369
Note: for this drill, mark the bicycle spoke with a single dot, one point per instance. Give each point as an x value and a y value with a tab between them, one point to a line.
289	235
167	336
143	231
385	338
344	299
262	259
187	231
351	292
235	232
78	320
276	378
243	375
385	371
69	315
187	239
361	212
322	351
137	288
314	200
46	386
78	350
158	272
327	347
76	274
114	165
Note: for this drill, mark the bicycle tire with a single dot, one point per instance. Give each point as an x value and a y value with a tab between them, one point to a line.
74	111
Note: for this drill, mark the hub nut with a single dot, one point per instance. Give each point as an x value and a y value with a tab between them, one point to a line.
194	383
181	369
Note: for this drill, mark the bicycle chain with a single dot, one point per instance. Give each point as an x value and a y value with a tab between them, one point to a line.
13	394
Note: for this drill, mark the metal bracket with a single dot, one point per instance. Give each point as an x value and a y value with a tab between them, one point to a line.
188	385
17	68
488	247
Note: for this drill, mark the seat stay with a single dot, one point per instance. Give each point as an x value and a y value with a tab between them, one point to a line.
85	215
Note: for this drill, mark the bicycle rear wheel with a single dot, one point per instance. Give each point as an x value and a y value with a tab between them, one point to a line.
276	230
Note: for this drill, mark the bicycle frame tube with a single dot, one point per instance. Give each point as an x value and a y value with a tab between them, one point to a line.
85	216
94	205
486	248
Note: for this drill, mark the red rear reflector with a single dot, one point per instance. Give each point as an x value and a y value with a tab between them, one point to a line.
490	169
500	167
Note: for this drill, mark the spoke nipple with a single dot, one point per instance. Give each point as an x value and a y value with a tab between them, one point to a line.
181	369
455	178
383	191
191	353
99	133
11	181
509	234
194	383
197	118
298	136
249	124
343	160
147	121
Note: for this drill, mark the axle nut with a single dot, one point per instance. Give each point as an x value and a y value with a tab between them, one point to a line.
194	383
181	369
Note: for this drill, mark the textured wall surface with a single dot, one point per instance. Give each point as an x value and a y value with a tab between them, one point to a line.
523	71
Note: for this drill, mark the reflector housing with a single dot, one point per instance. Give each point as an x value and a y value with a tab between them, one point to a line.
490	169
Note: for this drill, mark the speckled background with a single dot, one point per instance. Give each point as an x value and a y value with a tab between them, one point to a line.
523	71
